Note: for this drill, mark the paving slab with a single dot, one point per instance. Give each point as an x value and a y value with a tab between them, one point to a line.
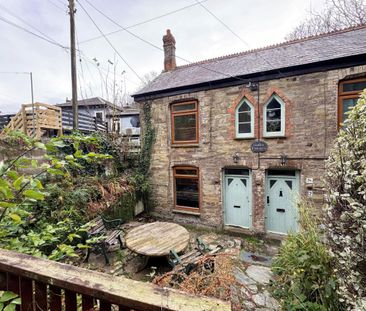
242	278
259	274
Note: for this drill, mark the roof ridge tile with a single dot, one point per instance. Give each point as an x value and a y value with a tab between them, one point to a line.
275	45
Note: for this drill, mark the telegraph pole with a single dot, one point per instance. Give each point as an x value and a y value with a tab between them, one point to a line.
74	98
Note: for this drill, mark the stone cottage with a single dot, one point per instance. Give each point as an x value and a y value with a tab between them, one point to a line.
240	138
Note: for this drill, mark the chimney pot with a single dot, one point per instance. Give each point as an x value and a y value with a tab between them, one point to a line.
169	51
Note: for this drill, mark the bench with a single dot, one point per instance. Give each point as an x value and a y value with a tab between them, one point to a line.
188	261
108	233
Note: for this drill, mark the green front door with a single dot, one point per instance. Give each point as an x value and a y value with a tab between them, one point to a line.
237	196
282	189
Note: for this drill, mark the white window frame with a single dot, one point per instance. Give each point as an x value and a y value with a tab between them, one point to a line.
99	111
280	133
244	135
115	121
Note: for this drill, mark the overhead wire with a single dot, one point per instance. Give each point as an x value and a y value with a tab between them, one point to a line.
49	39
159	48
28	24
61	2
5	20
110	43
57	6
144	22
14	72
179	57
52	41
81	69
234	33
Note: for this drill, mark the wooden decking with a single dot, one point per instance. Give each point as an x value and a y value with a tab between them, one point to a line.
47	285
157	239
35	119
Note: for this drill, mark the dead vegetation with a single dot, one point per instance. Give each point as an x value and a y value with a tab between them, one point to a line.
110	193
211	276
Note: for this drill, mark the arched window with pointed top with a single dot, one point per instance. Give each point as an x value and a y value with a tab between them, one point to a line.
244	119
274	117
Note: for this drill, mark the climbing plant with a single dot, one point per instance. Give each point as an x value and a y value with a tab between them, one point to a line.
140	178
147	140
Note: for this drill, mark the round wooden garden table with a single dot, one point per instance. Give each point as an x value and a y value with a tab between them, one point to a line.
157	239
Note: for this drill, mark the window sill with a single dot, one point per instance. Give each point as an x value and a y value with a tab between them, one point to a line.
244	138
193	145
180	211
274	137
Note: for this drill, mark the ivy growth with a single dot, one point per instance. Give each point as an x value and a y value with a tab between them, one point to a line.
140	178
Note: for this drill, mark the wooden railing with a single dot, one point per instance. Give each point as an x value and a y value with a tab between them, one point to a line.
47	285
35	119
86	122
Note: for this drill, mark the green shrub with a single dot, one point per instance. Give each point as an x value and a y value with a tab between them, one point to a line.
24	225
95	145
69	199
124	208
303	271
346	215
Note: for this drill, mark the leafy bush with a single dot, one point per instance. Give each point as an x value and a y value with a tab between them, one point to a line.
22	226
69	199
303	269
9	301
82	151
346	214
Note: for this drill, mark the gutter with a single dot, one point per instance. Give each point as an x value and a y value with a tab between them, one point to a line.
327	65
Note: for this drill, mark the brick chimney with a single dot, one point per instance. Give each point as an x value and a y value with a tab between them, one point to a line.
169	51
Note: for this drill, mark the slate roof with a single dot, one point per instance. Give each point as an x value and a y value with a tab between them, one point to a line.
94	101
310	50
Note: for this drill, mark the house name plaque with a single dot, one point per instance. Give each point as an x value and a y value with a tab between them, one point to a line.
259	146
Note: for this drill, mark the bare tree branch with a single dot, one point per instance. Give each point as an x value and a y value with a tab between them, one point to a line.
336	15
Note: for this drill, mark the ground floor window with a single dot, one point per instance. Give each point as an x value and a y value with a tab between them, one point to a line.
186	188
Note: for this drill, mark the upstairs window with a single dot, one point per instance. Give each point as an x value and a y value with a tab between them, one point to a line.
274	117
185	122
186	188
349	92
99	115
244	120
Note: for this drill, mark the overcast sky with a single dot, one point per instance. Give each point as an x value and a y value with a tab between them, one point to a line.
198	35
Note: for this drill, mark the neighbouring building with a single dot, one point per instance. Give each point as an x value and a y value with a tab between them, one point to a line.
121	120
127	123
213	117
95	107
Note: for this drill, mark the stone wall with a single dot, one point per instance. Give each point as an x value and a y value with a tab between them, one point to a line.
311	126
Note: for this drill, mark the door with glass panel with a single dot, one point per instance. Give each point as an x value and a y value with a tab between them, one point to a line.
238	198
282	190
